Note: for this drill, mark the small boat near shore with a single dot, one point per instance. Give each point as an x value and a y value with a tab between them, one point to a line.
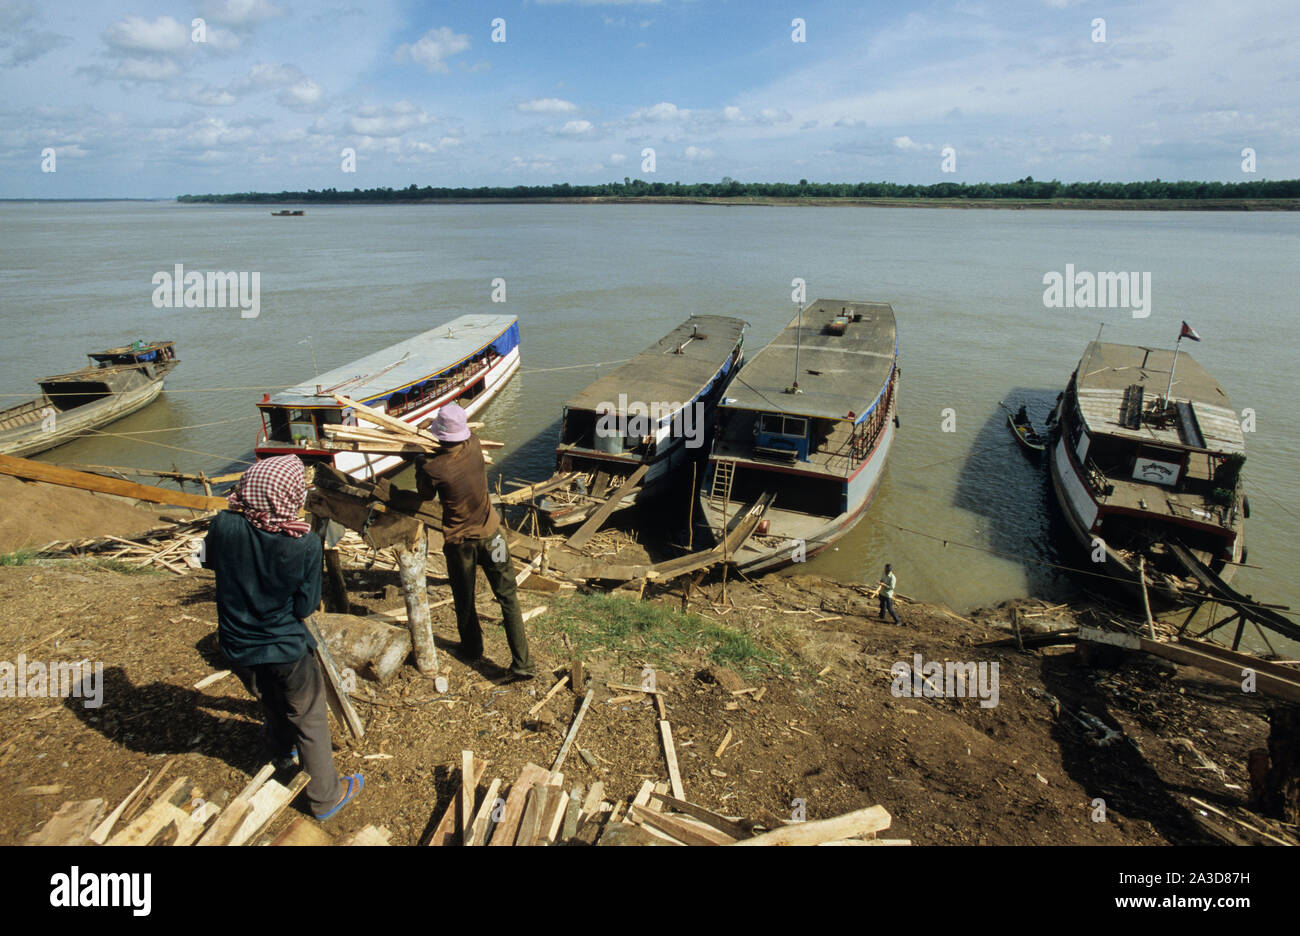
1147	470
1023	429
629	434
116	383
804	434
467	361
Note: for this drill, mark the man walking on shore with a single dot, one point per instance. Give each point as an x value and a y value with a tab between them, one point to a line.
887	583
268	570
472	537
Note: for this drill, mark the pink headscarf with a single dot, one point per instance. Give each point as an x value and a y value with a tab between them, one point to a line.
270	495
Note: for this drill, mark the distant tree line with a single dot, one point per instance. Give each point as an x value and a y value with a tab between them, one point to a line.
1026	188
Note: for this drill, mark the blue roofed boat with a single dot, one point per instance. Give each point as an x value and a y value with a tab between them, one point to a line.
466	361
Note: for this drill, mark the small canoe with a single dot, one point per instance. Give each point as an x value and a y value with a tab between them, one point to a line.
1024	431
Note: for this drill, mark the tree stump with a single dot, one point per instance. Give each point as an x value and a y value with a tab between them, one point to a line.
411	560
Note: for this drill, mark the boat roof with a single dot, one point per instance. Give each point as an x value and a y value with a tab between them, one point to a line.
400	365
1107	371
838	374
139	347
660	376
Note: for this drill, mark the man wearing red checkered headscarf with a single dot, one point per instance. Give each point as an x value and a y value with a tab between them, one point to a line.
268	570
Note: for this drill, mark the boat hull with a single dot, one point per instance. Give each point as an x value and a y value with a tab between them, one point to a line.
30	436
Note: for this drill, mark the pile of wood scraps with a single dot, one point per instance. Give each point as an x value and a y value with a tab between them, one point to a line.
536	809
174	547
183	815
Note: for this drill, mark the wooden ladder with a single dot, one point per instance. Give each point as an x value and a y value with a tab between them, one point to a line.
720	493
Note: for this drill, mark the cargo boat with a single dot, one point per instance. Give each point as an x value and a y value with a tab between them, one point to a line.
807	428
116	383
1140	463
466	361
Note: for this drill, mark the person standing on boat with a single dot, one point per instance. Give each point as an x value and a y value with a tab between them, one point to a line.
888	581
472	536
268	569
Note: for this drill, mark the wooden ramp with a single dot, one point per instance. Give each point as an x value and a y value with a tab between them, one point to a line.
615	500
1245	609
53	474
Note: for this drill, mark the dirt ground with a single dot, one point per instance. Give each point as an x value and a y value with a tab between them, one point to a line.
36	514
828	731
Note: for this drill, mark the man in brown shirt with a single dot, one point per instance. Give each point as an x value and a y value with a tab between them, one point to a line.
472	536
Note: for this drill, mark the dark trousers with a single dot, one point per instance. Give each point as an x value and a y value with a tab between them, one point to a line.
293	696
463	560
887	604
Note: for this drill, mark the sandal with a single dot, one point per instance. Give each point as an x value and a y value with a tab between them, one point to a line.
355	783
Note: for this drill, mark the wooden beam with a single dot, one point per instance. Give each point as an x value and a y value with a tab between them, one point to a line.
483	820
507	829
850	825
573	731
71	825
335	694
588	529
53	474
267	803
734	829
686	831
670	755
468	783
445	832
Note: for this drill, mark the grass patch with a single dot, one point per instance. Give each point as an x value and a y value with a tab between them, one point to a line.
652	631
18	557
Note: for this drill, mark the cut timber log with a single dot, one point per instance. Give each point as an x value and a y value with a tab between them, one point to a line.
52	474
594	522
850	825
71	825
412	558
369	646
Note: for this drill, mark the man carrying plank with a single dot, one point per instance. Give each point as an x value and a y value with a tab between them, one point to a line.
268	569
472	536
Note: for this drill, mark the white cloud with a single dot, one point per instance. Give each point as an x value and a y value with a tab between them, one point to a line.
388	121
616	159
302	95
547	106
134	69
732	113
907	144
433	49
135	34
239	12
661	112
698	152
575	128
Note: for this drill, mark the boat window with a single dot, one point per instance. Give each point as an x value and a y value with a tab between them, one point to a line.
302	426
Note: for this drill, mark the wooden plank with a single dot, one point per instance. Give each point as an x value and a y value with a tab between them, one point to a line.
591	804
468	784
483	820
369	836
572	813
573	730
524	494
66	477
268	802
134	808
392	423
588	530
190	827
726	739
728	826
538	810
670	755
100	834
157	817
850	825
334	692
546	698
445	832
507	829
558	811
642	798
1216	663
72	824
227	824
303	831
686	831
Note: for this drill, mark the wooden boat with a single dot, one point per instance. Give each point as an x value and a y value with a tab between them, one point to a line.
467	361
286	213
816	439
1024	431
1134	472
116	383
629	434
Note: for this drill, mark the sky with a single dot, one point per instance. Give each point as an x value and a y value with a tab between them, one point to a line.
146	99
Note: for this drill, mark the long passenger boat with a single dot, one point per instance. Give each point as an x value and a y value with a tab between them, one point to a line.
638	425
116	383
807	427
1137	472
466	361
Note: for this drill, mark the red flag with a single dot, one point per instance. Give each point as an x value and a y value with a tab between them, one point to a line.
1188	332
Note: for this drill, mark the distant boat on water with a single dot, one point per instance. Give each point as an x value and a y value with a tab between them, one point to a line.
467	361
286	213
804	434
116	383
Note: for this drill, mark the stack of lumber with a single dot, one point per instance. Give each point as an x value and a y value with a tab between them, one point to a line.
536	809
182	816
385	435
174	547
